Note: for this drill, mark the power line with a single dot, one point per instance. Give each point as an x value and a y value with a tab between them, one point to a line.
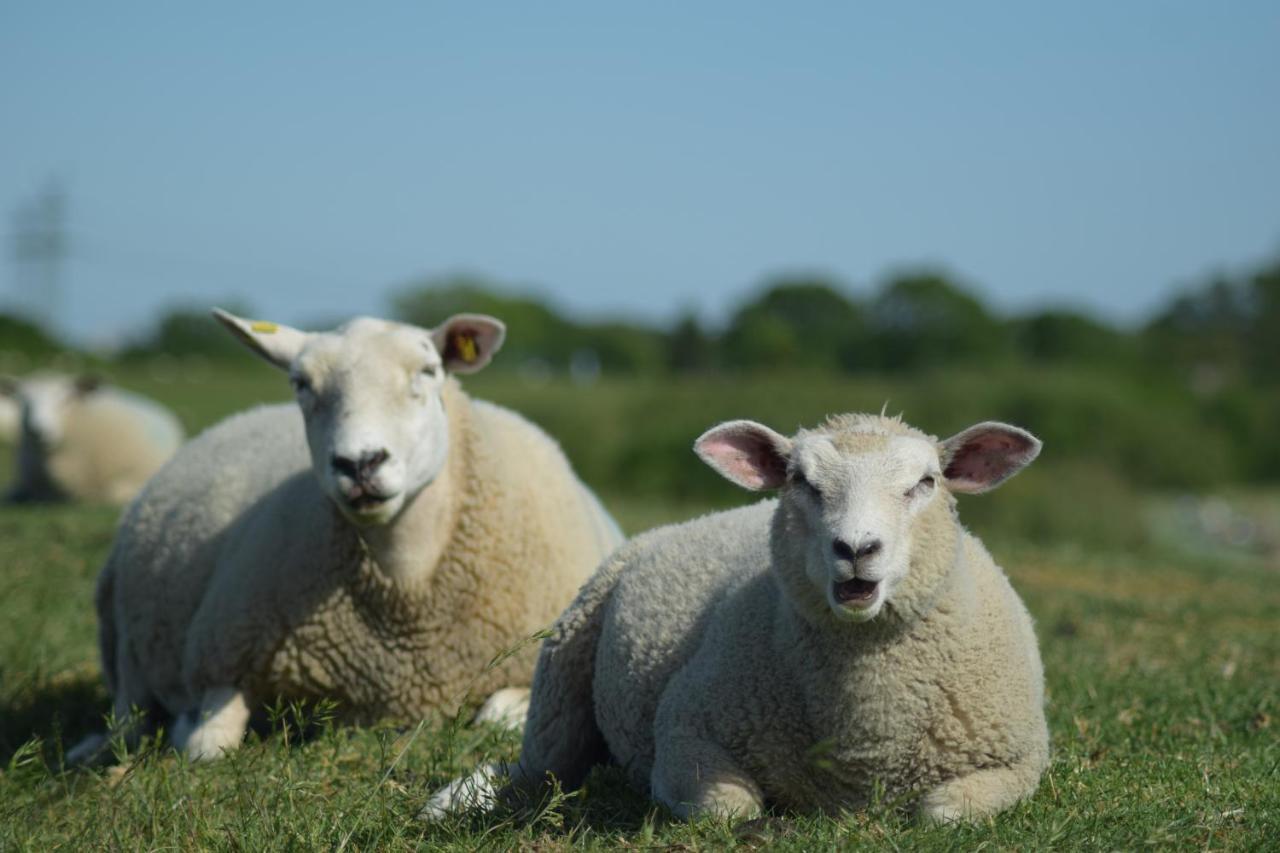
40	246
90	251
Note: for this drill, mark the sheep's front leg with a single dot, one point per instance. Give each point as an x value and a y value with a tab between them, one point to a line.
219	726
979	794
128	723
695	777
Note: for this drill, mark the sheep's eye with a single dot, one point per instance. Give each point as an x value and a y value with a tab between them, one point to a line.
926	483
300	384
431	370
803	482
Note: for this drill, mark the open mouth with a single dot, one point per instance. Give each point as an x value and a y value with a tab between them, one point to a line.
856	592
362	500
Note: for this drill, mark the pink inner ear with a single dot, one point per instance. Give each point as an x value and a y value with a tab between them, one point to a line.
749	460
987	458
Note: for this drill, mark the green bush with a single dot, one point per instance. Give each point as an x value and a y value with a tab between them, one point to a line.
1105	436
19	336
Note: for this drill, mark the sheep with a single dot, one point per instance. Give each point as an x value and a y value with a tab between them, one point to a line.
806	651
378	543
81	439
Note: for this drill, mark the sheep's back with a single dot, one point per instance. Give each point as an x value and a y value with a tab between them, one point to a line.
170	537
544	523
113	441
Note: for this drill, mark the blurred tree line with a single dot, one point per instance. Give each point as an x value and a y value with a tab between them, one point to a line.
1189	399
1221	333
19	336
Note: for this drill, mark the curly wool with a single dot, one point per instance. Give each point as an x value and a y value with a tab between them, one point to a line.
687	662
234	569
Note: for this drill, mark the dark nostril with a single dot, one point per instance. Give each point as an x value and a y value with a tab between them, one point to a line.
845	551
867	549
359	469
370	462
343	465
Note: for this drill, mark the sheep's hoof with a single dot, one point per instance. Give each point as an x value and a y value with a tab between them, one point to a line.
977	796
87	751
217	728
946	803
206	748
943	813
724	800
477	791
507	707
206	740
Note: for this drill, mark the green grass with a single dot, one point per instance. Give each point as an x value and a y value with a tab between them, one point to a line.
1164	681
1163	671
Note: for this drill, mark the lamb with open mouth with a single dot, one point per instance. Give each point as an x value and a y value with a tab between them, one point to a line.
853	617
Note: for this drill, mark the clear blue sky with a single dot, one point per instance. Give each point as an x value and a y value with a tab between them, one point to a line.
637	160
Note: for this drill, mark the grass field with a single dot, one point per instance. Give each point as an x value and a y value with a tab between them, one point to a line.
1164	707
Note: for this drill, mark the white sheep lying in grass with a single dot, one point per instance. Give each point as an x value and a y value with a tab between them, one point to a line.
802	652
423	534
82	440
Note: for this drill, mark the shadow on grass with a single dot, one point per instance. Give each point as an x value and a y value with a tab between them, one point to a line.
59	712
65	709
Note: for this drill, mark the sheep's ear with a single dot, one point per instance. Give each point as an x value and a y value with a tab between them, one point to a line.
746	453
276	343
985	455
466	342
87	383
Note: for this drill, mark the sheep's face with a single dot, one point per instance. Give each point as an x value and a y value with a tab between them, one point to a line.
857	496
45	403
371	397
853	491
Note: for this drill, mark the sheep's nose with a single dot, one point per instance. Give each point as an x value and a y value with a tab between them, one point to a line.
845	551
362	468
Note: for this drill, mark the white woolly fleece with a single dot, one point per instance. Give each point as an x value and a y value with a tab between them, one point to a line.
233	569
695	659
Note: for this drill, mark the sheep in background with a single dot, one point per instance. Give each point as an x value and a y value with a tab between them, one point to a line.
802	651
80	439
378	543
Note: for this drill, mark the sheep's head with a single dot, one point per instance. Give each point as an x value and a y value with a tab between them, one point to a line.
854	490
370	393
44	401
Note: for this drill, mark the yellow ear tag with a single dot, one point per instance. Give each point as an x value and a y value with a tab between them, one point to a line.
466	344
264	327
